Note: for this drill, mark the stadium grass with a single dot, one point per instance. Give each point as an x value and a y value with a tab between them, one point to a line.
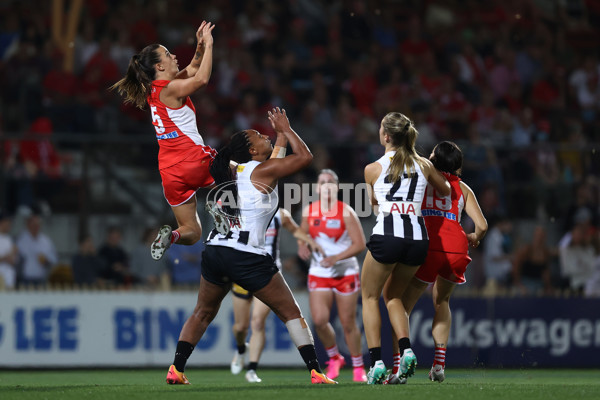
289	384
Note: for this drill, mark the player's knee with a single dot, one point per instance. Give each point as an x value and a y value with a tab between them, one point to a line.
370	297
258	324
205	314
195	235
289	314
349	325
320	321
239	327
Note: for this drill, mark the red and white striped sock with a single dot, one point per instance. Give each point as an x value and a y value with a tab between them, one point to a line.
175	236
332	351
357	361
396	366
440	356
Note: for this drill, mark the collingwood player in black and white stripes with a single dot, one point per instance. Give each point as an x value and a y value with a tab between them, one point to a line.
399	242
238	254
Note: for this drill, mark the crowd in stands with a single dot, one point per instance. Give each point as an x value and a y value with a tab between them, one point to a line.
30	260
516	83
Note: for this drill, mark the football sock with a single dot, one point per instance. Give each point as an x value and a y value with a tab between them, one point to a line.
396	367
241	348
182	353
175	236
357	361
332	351
403	344
375	353
440	356
309	356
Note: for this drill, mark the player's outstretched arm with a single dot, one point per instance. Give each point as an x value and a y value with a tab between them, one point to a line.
197	74
271	170
288	223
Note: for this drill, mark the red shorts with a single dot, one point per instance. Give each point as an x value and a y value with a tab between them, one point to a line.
181	181
345	285
450	266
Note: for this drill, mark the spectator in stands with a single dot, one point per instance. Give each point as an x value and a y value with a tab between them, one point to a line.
86	264
498	253
8	254
578	252
531	268
37	251
41	159
116	259
60	98
592	287
583	87
19	187
585	198
184	263
144	269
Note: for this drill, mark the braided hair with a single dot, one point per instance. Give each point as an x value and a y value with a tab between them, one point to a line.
236	150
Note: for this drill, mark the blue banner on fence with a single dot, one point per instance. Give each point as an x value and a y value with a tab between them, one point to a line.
506	332
111	329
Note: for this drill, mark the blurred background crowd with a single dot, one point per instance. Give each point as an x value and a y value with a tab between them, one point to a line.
516	83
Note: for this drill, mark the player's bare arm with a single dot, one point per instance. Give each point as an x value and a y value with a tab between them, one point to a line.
435	178
269	172
194	65
288	223
178	89
372	171
356	234
473	210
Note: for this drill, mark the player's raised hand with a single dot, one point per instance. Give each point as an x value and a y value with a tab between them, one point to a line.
204	34
279	120
199	32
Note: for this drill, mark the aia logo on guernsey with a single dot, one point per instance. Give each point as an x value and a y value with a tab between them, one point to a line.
403	208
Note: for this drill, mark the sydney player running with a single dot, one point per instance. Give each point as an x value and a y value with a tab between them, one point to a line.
239	256
399	242
243	300
153	77
335	276
448	254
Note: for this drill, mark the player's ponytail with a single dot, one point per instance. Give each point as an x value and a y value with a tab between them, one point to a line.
447	157
236	150
404	136
136	84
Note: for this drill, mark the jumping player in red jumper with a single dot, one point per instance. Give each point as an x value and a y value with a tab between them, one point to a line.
153	77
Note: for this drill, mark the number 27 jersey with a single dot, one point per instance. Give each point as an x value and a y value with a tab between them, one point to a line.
400	202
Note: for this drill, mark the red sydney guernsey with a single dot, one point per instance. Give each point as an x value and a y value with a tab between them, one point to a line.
442	218
176	129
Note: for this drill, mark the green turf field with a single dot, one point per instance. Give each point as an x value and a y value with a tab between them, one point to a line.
289	384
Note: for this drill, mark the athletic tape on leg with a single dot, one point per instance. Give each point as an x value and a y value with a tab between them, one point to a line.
301	336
